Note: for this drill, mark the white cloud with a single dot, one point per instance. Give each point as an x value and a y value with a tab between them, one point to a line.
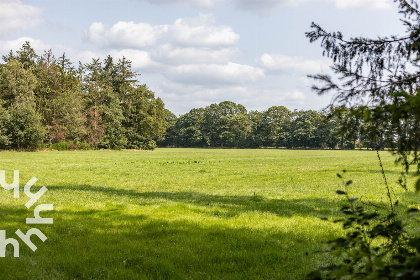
206	4
82	56
199	31
96	33
192	49
366	4
265	6
253	5
263	99
38	45
214	74
185	97
15	15
169	54
140	59
202	32
284	64
125	34
191	63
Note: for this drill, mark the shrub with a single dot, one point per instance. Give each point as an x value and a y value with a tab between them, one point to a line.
85	146
149	145
60	146
73	145
376	245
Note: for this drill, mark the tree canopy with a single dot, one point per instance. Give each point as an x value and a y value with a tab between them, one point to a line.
228	124
47	100
378	79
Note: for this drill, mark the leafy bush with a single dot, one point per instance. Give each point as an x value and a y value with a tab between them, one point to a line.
65	146
376	245
73	145
149	145
60	146
85	146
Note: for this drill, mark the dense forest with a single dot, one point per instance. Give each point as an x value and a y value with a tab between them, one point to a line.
230	125
45	101
48	101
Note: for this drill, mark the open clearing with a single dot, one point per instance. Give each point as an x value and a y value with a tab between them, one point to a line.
184	213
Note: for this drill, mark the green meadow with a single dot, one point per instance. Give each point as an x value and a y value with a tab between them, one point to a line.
185	213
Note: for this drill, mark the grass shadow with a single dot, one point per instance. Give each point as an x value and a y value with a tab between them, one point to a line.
234	205
94	245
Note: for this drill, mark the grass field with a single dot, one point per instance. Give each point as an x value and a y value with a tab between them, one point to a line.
184	213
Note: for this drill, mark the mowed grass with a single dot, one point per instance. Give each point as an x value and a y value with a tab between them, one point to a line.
185	213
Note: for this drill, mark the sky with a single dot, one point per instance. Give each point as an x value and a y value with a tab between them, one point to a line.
192	53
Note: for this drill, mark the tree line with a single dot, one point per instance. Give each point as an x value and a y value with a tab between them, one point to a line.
46	100
228	124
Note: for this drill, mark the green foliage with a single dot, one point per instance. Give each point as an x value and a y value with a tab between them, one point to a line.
376	245
187	130
60	146
115	132
68	120
379	79
229	125
149	145
304	127
276	121
100	103
234	130
168	137
4	133
21	123
25	127
144	117
16	84
84	146
71	145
